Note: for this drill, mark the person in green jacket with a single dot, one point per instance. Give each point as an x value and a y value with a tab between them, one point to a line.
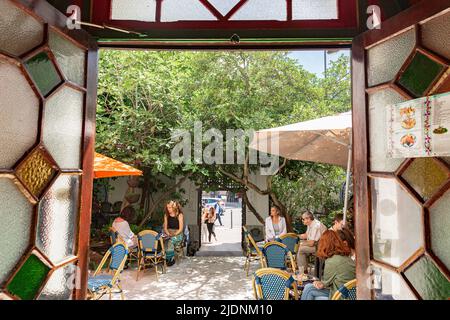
339	268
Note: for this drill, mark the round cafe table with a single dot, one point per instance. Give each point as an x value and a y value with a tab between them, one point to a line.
302	283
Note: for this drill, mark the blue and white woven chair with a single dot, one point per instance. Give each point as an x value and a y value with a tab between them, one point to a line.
151	251
114	237
277	255
346	292
292	242
253	252
101	283
274	284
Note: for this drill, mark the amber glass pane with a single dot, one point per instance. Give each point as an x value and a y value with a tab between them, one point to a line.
421	73
43	72
386	59
378	132
397	227
27	282
388	285
434	34
425	176
16	214
428	280
19	115
440	226
58	216
36	172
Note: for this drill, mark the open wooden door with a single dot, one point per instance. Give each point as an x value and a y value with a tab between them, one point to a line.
401	205
47	126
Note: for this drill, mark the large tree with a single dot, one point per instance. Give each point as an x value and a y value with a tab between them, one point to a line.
145	96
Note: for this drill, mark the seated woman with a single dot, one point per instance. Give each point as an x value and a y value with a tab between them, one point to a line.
123	229
275	224
339	268
349	239
173	228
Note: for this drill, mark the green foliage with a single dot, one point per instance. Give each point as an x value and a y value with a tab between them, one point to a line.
144	97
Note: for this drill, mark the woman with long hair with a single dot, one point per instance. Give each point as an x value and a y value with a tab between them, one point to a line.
204	220
275	224
339	268
349	239
173	228
210	223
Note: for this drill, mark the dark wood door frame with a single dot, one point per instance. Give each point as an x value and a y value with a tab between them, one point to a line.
199	217
362	198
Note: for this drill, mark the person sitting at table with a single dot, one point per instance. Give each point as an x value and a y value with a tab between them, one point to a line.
339	268
275	224
123	229
173	228
338	222
349	239
314	231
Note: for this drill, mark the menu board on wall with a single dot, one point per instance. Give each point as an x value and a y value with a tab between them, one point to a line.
419	128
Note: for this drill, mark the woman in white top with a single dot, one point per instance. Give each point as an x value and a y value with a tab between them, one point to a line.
275	224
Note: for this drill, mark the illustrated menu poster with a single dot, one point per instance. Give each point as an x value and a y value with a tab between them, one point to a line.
419	128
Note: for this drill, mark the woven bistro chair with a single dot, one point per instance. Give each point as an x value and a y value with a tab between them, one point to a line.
100	283
346	292
151	251
292	242
253	252
277	255
274	284
114	237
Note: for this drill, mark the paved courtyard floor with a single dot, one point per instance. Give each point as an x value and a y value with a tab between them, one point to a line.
228	236
193	278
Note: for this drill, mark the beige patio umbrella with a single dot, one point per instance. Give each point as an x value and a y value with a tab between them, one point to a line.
324	140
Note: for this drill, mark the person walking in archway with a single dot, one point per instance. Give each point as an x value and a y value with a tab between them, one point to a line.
219	212
210	223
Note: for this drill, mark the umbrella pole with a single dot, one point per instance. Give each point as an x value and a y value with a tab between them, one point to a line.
347	182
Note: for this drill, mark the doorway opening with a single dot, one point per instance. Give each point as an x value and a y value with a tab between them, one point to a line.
224	237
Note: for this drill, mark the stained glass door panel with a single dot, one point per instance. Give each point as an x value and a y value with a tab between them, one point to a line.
44	116
407	198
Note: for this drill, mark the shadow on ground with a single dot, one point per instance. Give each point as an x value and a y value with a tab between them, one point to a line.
194	278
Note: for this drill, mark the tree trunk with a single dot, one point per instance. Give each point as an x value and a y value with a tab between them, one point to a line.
244	181
162	197
252	208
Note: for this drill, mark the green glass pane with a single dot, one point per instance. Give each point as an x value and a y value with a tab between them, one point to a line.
440	225
43	72
420	74
29	279
425	176
428	281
